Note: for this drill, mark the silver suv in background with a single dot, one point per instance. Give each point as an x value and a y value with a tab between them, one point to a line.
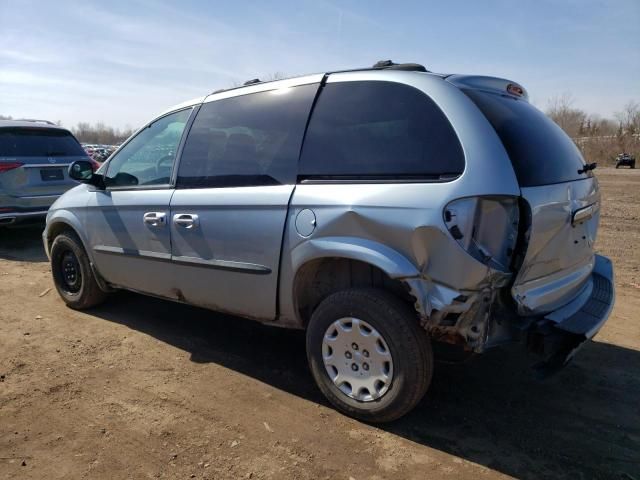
34	160
383	210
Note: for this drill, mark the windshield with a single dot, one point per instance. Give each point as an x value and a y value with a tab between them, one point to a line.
540	151
38	142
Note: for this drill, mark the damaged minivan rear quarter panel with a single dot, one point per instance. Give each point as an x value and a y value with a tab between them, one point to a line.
398	225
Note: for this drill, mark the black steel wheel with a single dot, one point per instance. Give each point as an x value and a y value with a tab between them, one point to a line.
72	274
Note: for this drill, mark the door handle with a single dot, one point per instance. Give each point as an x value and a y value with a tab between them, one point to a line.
186	220
155	219
583	214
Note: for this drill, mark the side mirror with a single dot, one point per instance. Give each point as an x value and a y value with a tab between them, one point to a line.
82	171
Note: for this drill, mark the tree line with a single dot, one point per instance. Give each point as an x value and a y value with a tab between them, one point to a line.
600	139
97	133
100	133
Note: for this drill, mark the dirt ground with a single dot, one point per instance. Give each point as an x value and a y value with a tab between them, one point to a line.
144	388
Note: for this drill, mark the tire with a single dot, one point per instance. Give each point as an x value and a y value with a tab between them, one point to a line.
411	366
72	273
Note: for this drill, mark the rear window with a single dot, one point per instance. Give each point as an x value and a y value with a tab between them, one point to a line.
38	142
540	151
373	129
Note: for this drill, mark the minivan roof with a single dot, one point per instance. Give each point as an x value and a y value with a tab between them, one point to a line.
252	85
479	82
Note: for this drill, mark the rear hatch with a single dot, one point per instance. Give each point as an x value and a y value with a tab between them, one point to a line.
34	161
560	201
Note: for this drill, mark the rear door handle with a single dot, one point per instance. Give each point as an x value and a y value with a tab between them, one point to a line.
186	220
155	219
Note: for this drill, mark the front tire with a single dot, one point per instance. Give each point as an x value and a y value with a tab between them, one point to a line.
72	273
368	354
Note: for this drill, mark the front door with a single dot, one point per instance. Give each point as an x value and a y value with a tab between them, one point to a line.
128	221
236	176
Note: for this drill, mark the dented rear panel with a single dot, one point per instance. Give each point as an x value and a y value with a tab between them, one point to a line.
561	203
559	253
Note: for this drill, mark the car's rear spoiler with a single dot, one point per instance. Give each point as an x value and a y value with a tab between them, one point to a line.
490	84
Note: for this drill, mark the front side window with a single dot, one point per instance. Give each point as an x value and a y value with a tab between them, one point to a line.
249	140
148	158
379	130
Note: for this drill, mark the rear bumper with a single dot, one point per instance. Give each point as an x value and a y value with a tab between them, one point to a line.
15	209
559	335
14	217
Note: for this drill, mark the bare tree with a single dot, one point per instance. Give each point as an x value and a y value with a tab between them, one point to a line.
561	110
629	118
100	133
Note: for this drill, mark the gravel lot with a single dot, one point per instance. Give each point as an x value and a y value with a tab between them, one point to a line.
144	388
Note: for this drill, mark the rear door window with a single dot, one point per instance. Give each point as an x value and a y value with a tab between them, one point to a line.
379	130
38	142
540	151
248	140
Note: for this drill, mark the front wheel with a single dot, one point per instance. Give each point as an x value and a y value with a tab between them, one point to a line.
72	274
368	354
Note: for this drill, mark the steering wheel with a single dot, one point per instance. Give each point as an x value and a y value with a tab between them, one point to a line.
163	165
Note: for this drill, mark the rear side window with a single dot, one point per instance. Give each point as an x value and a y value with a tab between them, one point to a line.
540	151
38	142
379	130
248	140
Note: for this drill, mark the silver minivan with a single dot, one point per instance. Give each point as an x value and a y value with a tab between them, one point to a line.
387	211
34	159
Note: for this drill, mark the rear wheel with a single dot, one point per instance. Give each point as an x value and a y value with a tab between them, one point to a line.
72	273
368	354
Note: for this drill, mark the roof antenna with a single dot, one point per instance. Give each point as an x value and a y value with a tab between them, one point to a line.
384	64
391	65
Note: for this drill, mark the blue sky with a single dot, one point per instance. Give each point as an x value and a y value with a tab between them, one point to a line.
121	62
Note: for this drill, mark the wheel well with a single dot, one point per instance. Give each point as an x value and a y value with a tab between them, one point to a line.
56	229
319	278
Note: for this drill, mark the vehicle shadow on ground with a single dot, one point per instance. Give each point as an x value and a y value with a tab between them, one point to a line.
22	243
582	423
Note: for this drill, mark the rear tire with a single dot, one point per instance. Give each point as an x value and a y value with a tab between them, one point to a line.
377	314
72	273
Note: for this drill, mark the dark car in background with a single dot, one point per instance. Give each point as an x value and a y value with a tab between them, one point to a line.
34	159
625	160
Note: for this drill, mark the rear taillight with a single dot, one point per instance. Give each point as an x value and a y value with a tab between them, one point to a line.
6	166
486	227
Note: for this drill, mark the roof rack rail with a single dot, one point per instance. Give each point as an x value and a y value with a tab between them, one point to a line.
390	65
34	120
253	81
